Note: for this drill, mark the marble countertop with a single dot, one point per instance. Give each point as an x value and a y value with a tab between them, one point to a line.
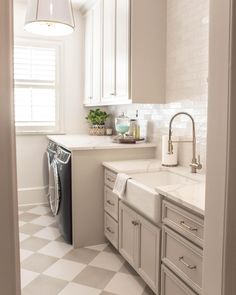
191	196
86	142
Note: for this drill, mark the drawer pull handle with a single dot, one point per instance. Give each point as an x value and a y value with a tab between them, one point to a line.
110	231
134	222
111	180
110	203
188	227
181	259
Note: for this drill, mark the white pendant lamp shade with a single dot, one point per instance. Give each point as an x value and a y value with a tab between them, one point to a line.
49	17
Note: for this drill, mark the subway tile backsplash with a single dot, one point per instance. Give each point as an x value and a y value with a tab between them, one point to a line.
156	119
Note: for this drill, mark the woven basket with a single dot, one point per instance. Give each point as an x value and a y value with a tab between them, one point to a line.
97	130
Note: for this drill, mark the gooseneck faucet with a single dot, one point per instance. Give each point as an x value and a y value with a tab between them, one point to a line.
195	164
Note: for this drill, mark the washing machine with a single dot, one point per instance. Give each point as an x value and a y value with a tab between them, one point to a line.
60	192
50	153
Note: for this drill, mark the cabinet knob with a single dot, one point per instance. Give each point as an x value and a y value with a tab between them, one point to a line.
135	223
110	203
109	230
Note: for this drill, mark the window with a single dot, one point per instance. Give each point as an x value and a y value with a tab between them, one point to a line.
36	74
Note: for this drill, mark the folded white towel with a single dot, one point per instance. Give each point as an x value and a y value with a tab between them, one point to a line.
120	184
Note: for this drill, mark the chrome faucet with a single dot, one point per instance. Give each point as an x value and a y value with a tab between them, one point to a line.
195	164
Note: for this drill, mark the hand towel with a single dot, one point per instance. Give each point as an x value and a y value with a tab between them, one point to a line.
120	184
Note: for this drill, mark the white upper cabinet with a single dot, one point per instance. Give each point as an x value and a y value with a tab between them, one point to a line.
93	45
88	91
131	54
115	51
109	13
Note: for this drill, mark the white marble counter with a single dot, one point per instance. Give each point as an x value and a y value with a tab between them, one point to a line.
86	142
191	196
134	166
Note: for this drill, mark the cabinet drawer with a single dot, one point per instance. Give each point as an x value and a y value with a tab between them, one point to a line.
111	230
172	285
111	202
184	222
110	178
183	257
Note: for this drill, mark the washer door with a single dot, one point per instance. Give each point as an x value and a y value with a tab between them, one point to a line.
54	188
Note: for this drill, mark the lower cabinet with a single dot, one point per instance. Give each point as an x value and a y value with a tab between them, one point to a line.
139	243
128	234
149	237
172	285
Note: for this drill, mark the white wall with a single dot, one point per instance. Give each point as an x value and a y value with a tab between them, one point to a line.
31	162
186	78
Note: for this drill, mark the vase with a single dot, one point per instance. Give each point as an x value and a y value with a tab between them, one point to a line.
97	130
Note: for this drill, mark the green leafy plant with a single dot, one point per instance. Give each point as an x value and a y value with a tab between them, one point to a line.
97	117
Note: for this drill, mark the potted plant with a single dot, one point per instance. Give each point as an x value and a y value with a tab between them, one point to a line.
97	119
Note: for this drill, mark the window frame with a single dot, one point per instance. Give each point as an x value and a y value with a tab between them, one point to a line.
59	122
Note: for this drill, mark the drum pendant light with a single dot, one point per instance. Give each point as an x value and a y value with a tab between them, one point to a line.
49	17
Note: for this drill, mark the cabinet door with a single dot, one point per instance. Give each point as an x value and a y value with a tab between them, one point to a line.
96	51
122	48
128	227
149	253
109	13
88	58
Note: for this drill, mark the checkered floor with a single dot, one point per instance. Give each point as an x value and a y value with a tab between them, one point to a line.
49	266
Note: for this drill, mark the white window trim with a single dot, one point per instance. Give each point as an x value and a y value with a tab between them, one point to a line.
59	126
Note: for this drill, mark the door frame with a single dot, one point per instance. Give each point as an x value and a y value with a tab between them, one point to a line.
9	246
219	269
220	236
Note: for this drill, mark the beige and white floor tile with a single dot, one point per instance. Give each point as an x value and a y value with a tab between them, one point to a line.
127	268
25	208
33	244
75	289
27	217
24	254
56	249
44	220
23	237
100	247
94	277
38	262
108	261
48	233
21	223
81	255
27	277
65	269
44	285
125	284
39	210
30	228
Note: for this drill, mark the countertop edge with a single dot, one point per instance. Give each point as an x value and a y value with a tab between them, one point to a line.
183	203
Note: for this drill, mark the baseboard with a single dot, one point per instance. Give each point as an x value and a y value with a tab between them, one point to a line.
33	195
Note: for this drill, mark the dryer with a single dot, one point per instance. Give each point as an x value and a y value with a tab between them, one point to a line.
60	192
